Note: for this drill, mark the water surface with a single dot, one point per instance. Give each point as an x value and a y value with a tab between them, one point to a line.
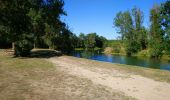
142	61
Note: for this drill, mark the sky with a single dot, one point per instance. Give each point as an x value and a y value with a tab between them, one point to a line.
88	16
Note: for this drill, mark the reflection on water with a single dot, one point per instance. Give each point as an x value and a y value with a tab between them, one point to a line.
143	62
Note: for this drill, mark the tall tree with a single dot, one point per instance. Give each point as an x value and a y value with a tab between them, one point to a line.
28	20
123	21
52	10
165	23
139	30
14	17
156	33
82	40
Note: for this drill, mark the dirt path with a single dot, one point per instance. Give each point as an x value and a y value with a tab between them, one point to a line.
136	86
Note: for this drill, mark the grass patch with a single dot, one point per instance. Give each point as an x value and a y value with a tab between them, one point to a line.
23	63
16	75
156	74
79	49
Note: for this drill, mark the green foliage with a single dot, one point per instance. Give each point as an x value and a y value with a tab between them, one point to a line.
4	40
90	40
165	23
137	15
137	38
130	27
65	42
81	40
101	41
115	45
131	47
124	22
156	36
24	46
143	38
15	19
112	43
156	49
144	53
139	31
28	21
116	49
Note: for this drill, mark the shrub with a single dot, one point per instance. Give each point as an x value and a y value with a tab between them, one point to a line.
116	49
143	53
23	47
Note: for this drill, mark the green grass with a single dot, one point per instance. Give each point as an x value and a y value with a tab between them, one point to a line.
23	66
79	49
112	43
166	57
16	74
156	74
24	63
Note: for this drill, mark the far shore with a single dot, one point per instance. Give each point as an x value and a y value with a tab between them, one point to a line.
164	57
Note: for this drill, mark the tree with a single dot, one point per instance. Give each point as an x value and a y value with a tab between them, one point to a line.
123	21
82	40
5	42
156	33
90	41
27	21
137	15
52	10
100	41
65	41
133	33
14	17
38	26
165	23
139	30
143	38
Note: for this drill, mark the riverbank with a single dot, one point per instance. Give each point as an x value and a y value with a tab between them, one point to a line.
142	54
138	83
71	78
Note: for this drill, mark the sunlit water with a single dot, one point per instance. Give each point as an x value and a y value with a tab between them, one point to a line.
142	62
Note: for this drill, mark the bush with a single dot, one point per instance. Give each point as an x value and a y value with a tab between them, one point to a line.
116	49
23	47
143	53
132	47
156	49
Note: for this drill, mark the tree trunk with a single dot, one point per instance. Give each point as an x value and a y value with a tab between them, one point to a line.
34	45
13	45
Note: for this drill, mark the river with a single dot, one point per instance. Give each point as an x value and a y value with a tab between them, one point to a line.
137	61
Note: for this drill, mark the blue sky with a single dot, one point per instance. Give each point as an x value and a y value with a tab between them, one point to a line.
88	16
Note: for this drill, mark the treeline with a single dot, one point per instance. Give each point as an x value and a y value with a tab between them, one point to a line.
136	37
34	23
90	41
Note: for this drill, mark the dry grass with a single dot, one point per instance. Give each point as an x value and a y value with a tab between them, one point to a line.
37	79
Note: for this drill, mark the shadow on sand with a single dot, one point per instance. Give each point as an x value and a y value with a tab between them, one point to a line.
44	53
